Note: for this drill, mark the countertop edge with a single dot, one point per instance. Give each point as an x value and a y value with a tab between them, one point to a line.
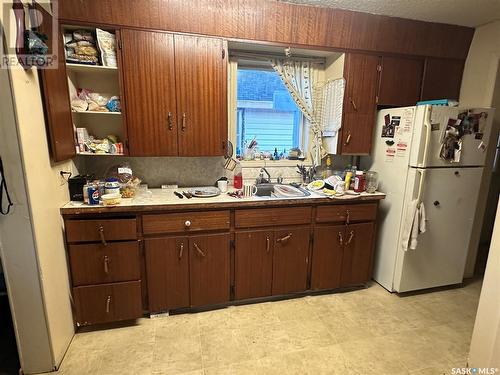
67	211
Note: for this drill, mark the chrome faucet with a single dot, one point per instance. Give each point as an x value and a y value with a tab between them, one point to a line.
261	179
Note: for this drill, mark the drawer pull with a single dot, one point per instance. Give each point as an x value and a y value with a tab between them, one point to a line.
108	303
187	224
169	121
181	251
341	240
101	234
268	244
354	106
106	264
351	236
347	216
199	250
284	239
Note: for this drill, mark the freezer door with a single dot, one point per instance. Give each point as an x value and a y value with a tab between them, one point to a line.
449	196
391	163
430	128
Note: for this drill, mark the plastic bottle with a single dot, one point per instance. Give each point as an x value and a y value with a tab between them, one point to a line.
238	176
359	182
328	171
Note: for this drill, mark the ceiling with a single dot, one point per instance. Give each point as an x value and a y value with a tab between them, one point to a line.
470	13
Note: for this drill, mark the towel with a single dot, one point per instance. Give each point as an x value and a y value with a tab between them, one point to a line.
413	224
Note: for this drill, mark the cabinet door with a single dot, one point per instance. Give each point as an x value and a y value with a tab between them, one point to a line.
201	88
361	74
167	269
148	76
327	257
400	81
442	79
356	261
253	263
290	260
56	97
209	269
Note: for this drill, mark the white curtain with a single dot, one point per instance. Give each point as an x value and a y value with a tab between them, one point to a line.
299	77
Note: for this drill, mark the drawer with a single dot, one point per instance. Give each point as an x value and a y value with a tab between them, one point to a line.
341	213
262	217
185	222
99	264
96	230
108	302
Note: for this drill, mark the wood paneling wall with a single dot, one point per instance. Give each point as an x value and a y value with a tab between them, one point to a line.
278	22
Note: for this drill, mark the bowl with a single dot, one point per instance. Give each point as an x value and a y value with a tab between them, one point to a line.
111	199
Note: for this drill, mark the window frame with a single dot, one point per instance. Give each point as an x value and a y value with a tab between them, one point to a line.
304	129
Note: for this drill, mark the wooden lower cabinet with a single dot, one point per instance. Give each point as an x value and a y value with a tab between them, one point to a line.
327	257
108	302
209	269
290	260
356	260
253	263
167	269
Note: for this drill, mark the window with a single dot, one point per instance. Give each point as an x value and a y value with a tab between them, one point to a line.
266	112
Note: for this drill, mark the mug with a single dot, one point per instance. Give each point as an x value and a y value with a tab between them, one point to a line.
222	185
249	190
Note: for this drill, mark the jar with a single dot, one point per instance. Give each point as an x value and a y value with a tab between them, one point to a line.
359	182
112	186
371	182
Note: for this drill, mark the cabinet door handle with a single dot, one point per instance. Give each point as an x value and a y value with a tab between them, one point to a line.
187	224
181	250
108	304
101	234
354	106
348	139
351	236
106	264
170	121
341	240
268	244
286	238
183	121
200	251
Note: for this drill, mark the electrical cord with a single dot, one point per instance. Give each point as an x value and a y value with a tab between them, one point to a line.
3	187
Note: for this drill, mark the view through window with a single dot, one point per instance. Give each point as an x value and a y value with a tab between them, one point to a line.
266	112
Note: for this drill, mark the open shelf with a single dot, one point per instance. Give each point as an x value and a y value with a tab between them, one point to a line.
97	154
84	68
97	113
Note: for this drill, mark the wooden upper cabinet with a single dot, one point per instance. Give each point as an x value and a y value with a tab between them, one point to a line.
56	97
357	257
148	77
442	79
400	81
361	72
200	67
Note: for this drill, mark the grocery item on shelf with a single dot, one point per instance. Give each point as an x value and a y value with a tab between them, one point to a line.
107	46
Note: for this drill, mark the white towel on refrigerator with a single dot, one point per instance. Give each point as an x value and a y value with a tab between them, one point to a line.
413	224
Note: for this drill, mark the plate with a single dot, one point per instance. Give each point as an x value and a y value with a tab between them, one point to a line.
316	185
205	192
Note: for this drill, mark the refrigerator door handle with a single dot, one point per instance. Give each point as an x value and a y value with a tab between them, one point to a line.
421	186
428	128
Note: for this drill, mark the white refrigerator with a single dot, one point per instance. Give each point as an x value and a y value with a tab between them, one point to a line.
435	155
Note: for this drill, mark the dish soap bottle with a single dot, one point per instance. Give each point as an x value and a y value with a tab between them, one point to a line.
238	176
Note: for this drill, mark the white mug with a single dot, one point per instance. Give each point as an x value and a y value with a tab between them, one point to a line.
222	185
249	190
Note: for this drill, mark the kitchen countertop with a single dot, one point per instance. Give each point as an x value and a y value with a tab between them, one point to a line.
163	199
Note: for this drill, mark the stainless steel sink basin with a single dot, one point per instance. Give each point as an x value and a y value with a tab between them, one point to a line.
280	191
